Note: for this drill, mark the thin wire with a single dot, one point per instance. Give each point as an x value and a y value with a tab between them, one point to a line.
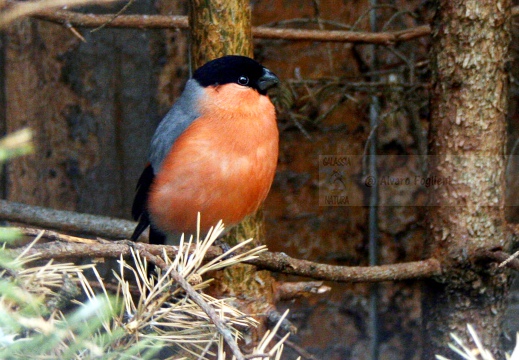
373	199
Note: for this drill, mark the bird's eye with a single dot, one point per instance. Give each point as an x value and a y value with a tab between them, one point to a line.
243	80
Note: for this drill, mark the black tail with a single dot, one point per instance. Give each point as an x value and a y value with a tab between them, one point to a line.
139	211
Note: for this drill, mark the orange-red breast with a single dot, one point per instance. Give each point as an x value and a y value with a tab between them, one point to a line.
215	152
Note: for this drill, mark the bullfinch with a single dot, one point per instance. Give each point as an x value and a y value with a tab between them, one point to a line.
215	152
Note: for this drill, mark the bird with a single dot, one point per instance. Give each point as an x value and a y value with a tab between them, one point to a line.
215	152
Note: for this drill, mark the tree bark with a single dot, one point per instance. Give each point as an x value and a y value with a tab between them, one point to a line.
221	28
92	108
467	141
37	98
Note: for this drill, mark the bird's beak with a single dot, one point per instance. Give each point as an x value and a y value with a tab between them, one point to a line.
267	80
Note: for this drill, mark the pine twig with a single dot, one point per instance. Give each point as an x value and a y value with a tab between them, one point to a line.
292	290
197	298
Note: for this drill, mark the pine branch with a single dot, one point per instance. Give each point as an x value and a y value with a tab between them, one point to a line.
278	262
63	246
198	299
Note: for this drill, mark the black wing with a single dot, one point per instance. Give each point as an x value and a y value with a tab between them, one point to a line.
139	211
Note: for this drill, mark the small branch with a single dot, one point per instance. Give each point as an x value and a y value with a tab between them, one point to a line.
115	228
108	20
196	297
499	257
18	9
75	32
292	290
68	221
280	262
94	248
360	37
260	32
263	32
361	86
65	246
154	259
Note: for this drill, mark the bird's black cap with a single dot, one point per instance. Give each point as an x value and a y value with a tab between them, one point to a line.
236	69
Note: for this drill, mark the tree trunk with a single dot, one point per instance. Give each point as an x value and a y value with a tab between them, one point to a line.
467	141
221	28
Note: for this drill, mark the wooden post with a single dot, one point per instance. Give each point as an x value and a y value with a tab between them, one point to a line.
221	28
467	144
